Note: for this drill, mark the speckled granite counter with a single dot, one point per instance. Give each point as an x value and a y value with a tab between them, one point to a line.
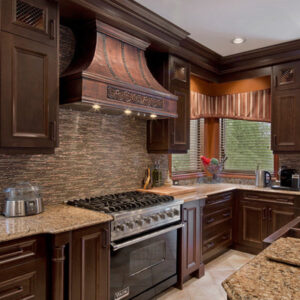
205	189
263	279
55	219
210	189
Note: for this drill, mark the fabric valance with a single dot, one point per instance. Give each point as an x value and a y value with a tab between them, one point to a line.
252	106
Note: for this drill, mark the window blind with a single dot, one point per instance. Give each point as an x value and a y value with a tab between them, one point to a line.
246	144
190	162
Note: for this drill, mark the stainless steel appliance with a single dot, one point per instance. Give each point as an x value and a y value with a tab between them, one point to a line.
286	180
143	241
22	200
262	178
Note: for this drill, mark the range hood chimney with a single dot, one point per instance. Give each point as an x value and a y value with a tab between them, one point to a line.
109	72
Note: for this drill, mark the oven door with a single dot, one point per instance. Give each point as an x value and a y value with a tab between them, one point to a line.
141	263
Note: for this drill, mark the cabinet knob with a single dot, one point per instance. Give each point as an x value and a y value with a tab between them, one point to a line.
52	29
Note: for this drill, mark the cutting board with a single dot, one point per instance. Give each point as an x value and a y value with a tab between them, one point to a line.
174	190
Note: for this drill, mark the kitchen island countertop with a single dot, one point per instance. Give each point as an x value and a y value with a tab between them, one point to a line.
264	279
55	219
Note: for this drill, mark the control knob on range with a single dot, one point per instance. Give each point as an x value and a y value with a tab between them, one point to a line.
139	222
162	215
170	214
176	212
130	225
155	217
120	227
147	220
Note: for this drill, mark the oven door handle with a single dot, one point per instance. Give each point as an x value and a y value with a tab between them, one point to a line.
116	246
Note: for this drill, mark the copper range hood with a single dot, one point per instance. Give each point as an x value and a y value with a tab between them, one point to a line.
109	72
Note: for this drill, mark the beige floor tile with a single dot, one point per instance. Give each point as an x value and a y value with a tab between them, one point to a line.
209	286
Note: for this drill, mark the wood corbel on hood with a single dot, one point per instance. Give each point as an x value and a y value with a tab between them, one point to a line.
109	69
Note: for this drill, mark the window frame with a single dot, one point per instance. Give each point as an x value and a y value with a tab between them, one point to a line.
211	129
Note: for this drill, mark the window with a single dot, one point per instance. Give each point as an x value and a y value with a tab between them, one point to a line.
190	162
246	144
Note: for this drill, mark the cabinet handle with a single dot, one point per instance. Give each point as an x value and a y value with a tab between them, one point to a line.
52	130
185	215
211	220
8	255
226	214
270	214
210	245
105	240
275	139
225	237
52	29
265	213
11	292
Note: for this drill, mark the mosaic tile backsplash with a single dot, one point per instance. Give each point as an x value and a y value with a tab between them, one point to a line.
98	154
290	160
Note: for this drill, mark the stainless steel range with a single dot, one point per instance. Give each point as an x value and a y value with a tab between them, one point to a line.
143	241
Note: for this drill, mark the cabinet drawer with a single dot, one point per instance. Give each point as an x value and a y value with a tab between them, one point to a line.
218	199
210	232
270	197
217	217
17	252
25	281
218	240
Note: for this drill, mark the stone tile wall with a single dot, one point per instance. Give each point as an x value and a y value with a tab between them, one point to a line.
98	154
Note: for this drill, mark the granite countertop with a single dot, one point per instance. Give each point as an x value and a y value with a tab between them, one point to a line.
264	279
55	219
206	189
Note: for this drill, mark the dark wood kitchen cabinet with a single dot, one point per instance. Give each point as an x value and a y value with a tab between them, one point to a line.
261	214
190	241
171	135
90	263
217	225
29	76
24	269
286	108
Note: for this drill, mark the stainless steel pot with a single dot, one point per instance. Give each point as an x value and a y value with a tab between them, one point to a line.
22	200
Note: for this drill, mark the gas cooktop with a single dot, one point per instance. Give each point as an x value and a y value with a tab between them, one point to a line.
134	212
121	202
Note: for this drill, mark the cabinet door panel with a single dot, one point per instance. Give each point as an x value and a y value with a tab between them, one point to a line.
29	95
191	240
180	127
252	224
285	127
33	19
279	216
286	76
90	266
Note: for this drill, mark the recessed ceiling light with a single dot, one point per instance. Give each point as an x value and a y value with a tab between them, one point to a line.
238	40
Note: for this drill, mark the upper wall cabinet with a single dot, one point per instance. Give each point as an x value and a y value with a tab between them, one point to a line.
171	135
29	76
32	19
287	76
286	108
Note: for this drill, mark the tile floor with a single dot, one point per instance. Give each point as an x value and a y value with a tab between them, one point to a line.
209	287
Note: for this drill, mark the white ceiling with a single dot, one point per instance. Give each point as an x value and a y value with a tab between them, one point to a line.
214	23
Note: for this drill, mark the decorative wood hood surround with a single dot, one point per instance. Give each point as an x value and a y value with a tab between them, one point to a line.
109	69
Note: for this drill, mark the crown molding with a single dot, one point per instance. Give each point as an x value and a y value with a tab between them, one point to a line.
133	18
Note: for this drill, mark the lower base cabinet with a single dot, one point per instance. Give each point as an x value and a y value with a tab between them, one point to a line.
190	241
217	225
72	265
90	263
260	215
23	269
